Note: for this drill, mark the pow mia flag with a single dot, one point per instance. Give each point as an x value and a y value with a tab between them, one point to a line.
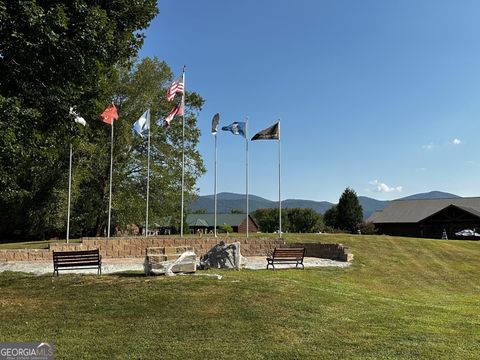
271	133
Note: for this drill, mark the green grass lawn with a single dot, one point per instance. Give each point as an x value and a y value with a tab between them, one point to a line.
401	299
33	244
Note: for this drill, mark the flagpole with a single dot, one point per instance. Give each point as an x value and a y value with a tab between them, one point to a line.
246	168
69	191
111	171
279	182
148	172
183	150
215	188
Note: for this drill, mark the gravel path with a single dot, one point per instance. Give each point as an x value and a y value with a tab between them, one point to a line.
110	266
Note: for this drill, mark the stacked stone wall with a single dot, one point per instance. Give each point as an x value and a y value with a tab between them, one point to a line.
135	247
337	252
25	255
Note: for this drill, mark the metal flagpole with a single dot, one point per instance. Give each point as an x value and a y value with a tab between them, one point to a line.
183	149
279	182
246	167
215	188
148	172
111	171
69	191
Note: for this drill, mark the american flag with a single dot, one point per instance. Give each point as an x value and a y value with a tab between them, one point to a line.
177	110
177	86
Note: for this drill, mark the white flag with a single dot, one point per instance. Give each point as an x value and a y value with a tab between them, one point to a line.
78	118
143	123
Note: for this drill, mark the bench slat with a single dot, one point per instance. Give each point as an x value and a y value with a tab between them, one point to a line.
287	255
77	258
78	252
93	263
77	262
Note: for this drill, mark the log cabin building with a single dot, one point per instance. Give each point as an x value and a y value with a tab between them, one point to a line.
428	218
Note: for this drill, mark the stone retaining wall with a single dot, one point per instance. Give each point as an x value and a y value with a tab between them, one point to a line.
134	247
337	252
25	255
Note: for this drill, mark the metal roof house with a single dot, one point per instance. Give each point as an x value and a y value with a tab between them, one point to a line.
206	222
428	218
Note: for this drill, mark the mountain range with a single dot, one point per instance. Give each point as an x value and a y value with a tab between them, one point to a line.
226	202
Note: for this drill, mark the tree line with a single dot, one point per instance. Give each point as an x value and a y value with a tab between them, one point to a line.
347	216
62	54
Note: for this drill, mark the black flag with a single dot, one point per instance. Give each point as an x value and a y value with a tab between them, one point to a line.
215	121
271	133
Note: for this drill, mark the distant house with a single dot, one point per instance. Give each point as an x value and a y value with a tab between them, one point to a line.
428	218
206	222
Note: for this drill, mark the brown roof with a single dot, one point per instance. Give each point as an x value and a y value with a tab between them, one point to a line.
413	211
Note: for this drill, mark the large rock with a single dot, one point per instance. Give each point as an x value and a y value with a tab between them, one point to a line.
161	260
223	256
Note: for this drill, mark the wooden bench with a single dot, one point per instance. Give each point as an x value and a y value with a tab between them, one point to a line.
71	260
286	256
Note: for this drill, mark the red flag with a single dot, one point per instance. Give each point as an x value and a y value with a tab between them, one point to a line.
109	114
177	86
177	110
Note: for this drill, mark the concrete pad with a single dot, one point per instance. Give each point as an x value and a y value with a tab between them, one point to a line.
110	266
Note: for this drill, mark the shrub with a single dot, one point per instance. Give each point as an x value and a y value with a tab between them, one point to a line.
367	228
225	228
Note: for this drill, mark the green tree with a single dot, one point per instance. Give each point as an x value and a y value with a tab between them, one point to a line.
135	90
199	211
267	220
349	211
54	55
304	220
330	217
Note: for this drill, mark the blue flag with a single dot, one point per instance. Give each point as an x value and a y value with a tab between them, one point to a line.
236	128
142	124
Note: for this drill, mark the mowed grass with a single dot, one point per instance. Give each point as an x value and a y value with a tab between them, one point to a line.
401	299
33	244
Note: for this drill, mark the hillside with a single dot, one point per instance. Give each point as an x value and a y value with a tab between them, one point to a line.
370	205
229	201
431	195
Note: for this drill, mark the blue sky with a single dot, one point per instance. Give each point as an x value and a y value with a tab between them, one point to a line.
382	96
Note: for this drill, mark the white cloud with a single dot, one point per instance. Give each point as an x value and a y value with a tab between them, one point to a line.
428	146
456	141
384	188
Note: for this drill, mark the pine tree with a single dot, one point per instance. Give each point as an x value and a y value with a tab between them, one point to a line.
349	211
